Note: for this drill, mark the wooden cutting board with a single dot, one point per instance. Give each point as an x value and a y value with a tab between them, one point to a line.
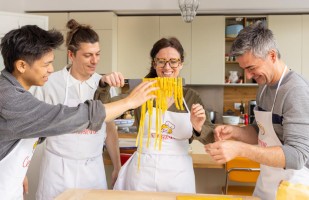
206	198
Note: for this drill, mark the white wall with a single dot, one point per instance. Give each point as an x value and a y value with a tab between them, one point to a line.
12	6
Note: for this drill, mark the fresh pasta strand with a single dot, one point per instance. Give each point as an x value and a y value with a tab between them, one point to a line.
168	87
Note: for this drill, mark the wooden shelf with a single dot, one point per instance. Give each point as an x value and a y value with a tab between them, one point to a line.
241	84
231	62
229	39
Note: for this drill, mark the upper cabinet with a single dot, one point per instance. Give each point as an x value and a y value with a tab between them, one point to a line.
207	50
105	24
173	26
287	30
233	73
58	21
136	36
202	40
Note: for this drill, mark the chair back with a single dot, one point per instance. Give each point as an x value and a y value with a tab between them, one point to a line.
242	170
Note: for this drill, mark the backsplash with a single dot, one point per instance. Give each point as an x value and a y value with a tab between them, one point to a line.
236	95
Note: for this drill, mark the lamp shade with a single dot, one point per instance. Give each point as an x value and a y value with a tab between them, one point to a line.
188	9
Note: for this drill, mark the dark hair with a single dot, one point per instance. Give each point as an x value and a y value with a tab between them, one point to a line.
161	44
79	33
256	39
28	43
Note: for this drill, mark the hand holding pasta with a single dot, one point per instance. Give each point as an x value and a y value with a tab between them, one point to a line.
142	93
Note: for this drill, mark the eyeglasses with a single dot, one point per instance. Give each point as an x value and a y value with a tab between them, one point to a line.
161	62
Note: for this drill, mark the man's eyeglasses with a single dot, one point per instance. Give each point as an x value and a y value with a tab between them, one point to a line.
161	62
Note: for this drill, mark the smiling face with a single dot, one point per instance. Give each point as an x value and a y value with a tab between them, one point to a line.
166	71
263	71
37	73
85	61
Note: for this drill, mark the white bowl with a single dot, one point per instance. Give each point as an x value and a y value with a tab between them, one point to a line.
124	122
233	120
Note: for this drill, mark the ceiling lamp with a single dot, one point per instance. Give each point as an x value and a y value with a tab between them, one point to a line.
188	9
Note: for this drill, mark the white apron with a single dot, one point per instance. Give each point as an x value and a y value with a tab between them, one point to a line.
73	160
270	177
13	169
167	170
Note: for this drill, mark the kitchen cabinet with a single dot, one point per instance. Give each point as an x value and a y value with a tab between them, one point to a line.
203	45
58	21
105	24
173	26
287	30
136	36
231	66
10	21
207	50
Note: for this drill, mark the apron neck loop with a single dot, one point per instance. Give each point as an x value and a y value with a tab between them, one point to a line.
279	83
67	87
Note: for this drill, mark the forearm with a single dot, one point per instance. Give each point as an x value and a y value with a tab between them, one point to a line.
112	144
206	135
115	109
270	156
246	134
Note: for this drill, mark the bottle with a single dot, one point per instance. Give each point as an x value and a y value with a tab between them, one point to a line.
242	111
246	119
242	108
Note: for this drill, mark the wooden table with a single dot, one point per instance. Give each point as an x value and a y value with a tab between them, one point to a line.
200	160
84	194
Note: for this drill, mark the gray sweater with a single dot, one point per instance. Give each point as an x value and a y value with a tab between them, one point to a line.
290	117
23	116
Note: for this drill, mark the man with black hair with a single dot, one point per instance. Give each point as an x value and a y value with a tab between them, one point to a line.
28	55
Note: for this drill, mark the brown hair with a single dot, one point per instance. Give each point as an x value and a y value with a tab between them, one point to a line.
79	33
161	44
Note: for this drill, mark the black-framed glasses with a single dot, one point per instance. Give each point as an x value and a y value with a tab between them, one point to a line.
161	62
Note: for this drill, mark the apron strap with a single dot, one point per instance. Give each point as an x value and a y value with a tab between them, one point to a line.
281	78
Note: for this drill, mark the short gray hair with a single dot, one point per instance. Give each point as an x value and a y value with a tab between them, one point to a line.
255	38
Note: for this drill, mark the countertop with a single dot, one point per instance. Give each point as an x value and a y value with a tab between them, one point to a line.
199	157
84	194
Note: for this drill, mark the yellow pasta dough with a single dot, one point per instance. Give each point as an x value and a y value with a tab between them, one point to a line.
168	87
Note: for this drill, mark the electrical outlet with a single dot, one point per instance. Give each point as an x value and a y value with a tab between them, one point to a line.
237	106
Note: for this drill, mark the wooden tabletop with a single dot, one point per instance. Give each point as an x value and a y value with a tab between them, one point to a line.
199	157
84	194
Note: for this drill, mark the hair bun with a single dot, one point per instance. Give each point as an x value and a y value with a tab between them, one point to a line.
72	24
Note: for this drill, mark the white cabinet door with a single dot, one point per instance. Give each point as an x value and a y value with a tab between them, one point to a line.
58	21
136	36
11	21
97	20
208	50
105	24
174	26
305	46
287	30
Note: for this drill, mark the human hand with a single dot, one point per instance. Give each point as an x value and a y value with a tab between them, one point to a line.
114	177
141	93
115	79
223	132
25	185
197	117
224	151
